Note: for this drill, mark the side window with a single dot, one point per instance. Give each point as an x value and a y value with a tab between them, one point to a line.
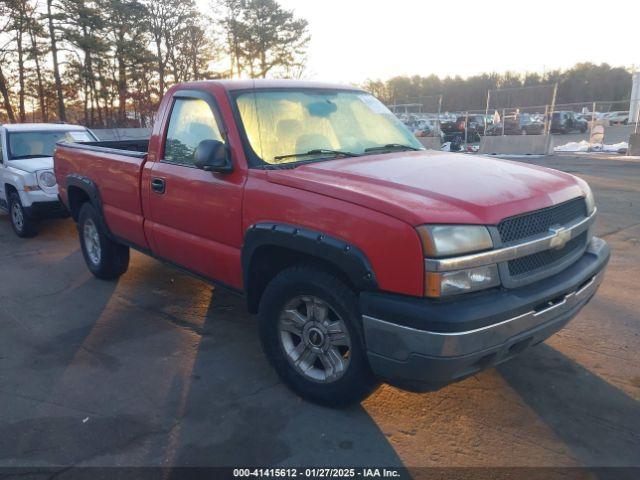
191	122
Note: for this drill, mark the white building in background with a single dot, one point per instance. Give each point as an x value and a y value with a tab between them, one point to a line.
634	105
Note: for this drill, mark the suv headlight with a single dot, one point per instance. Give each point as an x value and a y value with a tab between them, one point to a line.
450	240
46	179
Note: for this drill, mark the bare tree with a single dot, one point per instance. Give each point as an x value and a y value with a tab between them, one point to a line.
234	30
62	115
192	50
36	52
160	14
125	20
17	13
82	28
6	98
5	27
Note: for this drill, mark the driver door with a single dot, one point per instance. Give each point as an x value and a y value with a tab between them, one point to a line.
195	216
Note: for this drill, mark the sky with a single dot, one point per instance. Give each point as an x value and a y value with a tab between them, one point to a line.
355	40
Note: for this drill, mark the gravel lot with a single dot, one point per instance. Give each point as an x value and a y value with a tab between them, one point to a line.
161	369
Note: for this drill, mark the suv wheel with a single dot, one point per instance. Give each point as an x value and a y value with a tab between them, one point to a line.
105	258
23	225
310	329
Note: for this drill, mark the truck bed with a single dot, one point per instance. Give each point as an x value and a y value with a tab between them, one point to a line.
134	148
115	168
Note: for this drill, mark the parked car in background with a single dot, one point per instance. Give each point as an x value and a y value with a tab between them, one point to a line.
586	116
428	127
454	129
617	118
566	122
521	124
28	188
583	125
424	128
476	124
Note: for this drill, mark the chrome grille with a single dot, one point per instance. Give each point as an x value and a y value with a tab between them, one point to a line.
534	223
538	261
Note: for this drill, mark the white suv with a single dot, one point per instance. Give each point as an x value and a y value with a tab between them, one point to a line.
28	188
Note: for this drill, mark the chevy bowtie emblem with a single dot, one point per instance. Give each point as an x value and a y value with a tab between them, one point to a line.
560	237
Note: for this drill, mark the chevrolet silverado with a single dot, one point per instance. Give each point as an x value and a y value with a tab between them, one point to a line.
365	257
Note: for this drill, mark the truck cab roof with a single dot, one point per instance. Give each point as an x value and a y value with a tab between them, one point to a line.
251	84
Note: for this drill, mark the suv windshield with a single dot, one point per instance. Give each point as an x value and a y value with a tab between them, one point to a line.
41	144
287	126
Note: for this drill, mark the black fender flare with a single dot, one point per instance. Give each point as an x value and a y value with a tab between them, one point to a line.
345	257
90	188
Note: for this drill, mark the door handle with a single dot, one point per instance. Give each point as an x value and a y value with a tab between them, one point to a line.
158	185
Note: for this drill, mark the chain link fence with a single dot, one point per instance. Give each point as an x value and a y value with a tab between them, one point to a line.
421	114
531	110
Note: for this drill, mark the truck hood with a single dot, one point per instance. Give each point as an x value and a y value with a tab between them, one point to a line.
32	165
435	187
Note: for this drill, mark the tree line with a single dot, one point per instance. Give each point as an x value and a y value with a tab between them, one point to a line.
584	82
108	62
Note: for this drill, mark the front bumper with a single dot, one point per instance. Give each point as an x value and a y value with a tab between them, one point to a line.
50	209
419	343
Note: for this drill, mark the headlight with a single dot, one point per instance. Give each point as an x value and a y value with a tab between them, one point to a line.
591	202
461	281
449	240
46	179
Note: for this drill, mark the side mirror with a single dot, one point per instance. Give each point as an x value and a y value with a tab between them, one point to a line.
213	156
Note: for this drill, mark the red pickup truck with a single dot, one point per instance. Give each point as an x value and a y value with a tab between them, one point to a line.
365	257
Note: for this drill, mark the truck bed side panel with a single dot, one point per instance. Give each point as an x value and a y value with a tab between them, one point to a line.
118	181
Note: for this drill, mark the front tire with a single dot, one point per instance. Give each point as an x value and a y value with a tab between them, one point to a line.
105	258
23	225
310	328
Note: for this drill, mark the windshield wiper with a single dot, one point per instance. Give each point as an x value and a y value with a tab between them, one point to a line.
391	146
317	151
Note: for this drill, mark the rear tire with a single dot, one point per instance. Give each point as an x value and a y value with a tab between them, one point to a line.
105	258
23	225
310	328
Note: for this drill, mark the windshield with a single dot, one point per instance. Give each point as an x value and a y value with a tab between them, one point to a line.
41	144
284	125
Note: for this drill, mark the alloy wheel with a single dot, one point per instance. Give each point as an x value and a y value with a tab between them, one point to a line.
92	241
17	216
315	339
